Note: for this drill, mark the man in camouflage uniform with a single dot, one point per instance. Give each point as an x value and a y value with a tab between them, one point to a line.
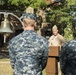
68	57
28	51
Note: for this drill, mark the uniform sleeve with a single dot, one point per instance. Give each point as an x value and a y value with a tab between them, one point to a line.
11	54
50	41
62	40
45	56
63	57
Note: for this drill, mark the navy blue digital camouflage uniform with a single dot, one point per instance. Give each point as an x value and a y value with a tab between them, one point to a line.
28	53
68	58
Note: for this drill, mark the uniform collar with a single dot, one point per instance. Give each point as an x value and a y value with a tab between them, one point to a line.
28	31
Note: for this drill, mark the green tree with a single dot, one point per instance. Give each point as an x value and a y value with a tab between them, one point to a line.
25	3
62	16
21	5
59	13
68	33
71	2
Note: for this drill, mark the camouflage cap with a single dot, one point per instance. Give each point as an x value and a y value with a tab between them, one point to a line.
28	16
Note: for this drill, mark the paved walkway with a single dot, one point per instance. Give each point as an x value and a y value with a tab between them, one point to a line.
5	68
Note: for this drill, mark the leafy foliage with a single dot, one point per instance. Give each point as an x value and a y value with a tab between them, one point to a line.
71	2
33	3
62	16
60	13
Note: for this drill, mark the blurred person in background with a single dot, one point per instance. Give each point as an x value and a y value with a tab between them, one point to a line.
56	40
68	57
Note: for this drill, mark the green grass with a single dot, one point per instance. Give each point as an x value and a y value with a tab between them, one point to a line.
44	73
